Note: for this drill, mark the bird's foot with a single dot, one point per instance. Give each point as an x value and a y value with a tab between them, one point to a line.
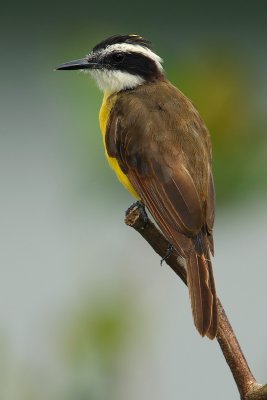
169	251
138	204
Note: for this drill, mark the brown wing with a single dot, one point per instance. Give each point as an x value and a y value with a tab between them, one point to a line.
162	146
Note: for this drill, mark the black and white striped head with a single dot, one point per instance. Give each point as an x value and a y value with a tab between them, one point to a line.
120	62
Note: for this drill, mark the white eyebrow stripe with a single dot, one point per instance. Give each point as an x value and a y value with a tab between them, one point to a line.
127	47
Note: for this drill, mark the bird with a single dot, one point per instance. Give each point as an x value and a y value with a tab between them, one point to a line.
160	149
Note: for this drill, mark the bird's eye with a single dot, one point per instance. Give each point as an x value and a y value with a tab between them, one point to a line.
118	57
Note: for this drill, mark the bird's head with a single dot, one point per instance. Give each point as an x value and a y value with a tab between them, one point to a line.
120	62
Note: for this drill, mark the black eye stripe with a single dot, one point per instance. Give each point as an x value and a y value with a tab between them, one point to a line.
119	57
134	63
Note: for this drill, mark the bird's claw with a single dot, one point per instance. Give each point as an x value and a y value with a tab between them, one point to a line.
168	253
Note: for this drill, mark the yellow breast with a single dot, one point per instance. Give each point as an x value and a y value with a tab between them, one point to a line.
108	103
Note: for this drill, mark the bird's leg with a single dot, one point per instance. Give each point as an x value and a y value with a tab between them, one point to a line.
169	251
141	207
138	204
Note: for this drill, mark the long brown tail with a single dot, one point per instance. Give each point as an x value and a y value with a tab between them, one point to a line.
202	293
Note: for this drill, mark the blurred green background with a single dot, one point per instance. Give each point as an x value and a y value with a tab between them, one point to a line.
86	311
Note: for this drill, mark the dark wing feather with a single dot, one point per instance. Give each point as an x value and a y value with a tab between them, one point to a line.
153	154
162	146
210	215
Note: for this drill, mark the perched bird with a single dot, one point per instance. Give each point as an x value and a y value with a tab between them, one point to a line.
160	149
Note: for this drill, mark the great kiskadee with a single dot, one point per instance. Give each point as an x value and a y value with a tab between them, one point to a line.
160	149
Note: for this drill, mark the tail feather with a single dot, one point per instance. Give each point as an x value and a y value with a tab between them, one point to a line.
202	294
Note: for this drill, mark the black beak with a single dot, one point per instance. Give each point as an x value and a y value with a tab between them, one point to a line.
83	63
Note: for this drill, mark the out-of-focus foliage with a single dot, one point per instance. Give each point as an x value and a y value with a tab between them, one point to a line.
222	86
97	339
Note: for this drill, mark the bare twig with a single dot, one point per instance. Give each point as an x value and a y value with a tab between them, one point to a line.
248	388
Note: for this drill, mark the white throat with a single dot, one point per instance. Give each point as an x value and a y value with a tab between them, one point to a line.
114	81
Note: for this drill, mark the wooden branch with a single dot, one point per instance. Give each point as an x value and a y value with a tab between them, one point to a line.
248	388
